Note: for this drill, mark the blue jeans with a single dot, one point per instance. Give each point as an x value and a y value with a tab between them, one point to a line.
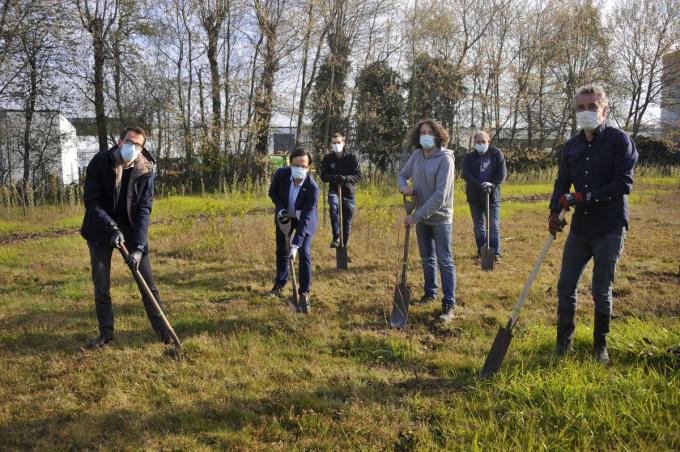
434	243
478	212
605	252
304	257
348	209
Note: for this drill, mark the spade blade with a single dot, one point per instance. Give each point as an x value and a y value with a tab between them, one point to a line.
341	258
402	299
497	353
487	258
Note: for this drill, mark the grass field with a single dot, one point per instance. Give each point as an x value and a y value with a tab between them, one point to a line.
257	377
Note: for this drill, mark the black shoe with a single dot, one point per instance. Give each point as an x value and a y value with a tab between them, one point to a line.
425	299
335	243
497	258
601	354
304	304
566	325
600	333
99	342
166	339
275	292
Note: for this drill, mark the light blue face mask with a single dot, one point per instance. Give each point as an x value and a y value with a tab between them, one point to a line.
481	148
129	152
427	141
298	173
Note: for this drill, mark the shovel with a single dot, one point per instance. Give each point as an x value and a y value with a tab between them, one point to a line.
341	258
502	341
487	254
402	291
283	222
145	288
294	301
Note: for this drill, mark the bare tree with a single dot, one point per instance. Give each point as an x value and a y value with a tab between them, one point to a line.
98	16
212	14
643	32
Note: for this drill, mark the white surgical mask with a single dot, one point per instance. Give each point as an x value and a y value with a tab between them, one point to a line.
481	148
588	120
338	147
427	141
298	173
129	152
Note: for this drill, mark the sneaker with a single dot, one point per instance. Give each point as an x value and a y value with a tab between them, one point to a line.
447	314
335	243
275	292
425	299
497	258
99	342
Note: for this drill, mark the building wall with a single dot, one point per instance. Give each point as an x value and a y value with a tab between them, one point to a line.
670	94
69	151
53	139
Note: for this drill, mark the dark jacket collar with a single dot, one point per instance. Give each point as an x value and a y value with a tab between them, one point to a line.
598	131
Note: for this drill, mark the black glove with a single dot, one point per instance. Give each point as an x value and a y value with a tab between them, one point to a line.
117	238
133	260
282	216
487	187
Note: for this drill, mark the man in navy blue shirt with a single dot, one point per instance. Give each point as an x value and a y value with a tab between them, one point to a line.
599	163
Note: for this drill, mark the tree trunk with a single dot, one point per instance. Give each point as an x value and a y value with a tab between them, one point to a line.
99	60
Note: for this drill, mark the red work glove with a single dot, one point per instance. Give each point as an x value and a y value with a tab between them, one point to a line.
555	225
569	199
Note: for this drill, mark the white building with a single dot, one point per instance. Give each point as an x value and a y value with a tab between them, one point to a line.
53	146
670	93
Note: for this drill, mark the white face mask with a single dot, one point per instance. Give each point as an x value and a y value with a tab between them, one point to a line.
129	152
298	173
588	120
481	148
338	147
427	141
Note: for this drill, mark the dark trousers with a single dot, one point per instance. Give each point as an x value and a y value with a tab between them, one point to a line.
100	259
480	223
304	257
605	252
348	209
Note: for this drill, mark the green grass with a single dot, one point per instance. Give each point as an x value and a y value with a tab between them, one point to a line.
257	377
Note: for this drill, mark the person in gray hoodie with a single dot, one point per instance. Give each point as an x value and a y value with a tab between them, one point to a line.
431	172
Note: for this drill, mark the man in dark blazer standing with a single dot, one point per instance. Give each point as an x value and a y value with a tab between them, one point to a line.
295	194
118	197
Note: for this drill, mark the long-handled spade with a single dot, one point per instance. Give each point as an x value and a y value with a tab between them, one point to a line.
341	258
502	341
147	291
283	222
402	291
487	254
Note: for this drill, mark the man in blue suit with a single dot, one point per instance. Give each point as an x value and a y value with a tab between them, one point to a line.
295	195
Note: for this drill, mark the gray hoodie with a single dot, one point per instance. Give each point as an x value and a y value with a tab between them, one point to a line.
432	178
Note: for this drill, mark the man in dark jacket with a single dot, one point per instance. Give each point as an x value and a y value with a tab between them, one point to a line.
484	171
295	195
340	168
118	196
599	162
